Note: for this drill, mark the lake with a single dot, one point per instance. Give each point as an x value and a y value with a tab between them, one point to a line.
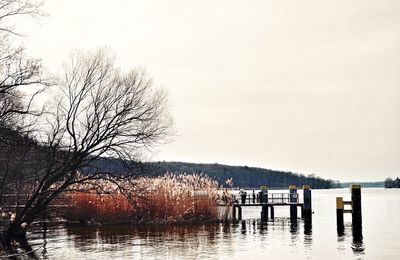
247	239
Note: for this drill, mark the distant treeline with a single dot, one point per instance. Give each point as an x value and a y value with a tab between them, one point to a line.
375	184
390	183
240	176
246	177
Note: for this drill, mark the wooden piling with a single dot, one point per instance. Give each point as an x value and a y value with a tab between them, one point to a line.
356	205
339	215
272	212
239	213
356	214
254	197
234	212
293	212
293	199
307	207
264	213
307	226
264	194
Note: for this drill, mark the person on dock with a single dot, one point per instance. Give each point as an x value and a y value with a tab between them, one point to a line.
243	195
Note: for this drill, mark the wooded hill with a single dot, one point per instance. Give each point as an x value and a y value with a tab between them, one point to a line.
244	176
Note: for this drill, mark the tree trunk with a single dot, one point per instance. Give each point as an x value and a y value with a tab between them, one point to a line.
14	232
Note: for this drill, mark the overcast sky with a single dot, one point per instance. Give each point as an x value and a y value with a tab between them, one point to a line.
305	86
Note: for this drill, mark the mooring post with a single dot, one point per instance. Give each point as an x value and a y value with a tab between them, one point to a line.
240	213
293	202
339	215
254	197
264	194
264	201
356	205
307	208
272	212
264	212
233	212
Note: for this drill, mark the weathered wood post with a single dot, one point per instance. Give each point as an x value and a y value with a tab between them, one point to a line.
293	202
264	201
356	206
264	212
254	197
307	207
272	212
240	213
339	215
264	194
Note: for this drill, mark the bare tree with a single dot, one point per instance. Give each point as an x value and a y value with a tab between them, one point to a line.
99	112
102	111
9	9
18	72
16	69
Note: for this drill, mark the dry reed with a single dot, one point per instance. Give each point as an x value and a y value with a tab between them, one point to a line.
167	199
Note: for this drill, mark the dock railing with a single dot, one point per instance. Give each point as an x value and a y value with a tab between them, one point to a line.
271	198
268	201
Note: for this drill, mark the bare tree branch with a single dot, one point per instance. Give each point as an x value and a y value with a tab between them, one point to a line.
99	112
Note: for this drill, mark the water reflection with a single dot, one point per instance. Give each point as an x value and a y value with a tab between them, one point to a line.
357	244
243	229
117	234
249	238
307	226
294	227
340	230
198	241
44	237
308	232
262	227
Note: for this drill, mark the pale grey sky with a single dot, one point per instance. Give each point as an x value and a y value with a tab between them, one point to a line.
305	86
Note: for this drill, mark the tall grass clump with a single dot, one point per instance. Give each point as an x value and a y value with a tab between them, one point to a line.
185	198
172	198
98	208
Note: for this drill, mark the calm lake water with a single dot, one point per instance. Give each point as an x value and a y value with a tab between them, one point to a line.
247	239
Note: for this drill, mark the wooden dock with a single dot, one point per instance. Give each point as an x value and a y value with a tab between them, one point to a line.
267	202
12	202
